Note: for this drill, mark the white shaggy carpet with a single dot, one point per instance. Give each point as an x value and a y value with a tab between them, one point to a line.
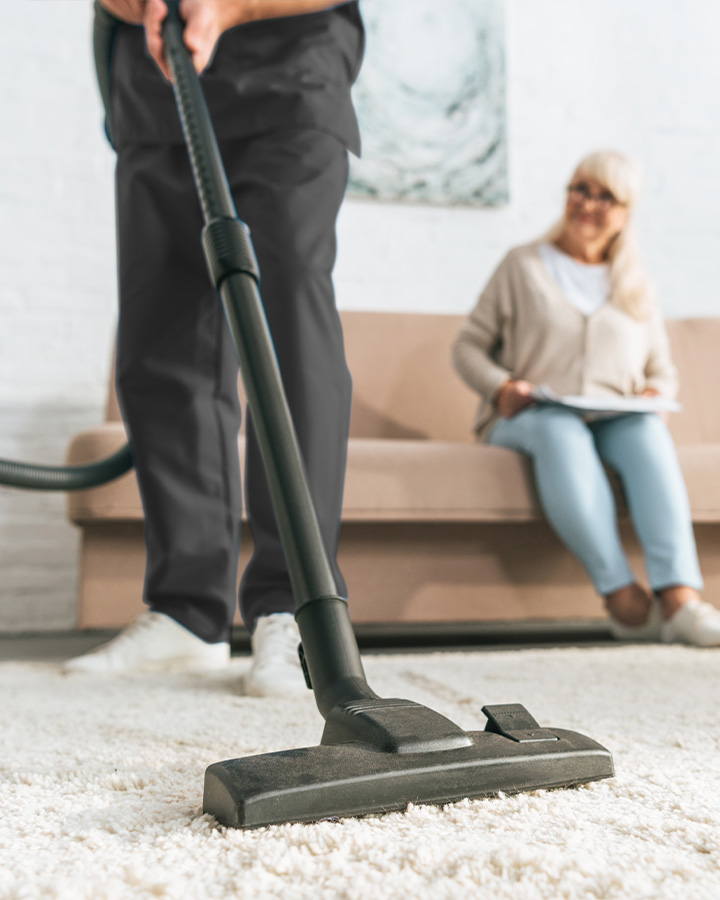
101	786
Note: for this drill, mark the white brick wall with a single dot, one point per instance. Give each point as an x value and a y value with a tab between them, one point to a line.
637	75
56	289
640	75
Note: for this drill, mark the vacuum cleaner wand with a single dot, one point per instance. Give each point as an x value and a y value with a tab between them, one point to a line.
375	754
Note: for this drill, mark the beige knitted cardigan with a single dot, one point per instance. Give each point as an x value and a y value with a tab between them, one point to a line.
523	327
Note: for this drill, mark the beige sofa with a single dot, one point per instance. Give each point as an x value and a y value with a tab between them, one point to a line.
436	529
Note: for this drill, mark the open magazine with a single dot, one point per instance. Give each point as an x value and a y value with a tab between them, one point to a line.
605	406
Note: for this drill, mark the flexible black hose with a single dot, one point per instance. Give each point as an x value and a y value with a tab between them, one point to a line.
75	478
65	478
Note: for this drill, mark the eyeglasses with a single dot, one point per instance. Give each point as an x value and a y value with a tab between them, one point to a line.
581	193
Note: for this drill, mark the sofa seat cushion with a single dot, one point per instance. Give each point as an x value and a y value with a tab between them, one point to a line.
436	481
405	481
398	480
387	480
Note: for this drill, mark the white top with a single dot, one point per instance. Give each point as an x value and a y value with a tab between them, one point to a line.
586	286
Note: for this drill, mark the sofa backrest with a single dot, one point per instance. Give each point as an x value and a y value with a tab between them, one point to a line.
696	352
404	386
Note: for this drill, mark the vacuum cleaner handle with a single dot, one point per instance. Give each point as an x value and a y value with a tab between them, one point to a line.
331	657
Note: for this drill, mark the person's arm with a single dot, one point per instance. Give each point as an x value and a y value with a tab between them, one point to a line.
661	375
660	372
478	338
206	20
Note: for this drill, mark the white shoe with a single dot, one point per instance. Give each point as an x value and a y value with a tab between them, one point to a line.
696	623
154	642
650	630
276	670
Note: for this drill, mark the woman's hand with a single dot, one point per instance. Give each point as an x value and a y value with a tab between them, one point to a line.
652	392
513	397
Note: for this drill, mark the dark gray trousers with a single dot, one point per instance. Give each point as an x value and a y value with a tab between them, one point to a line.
177	367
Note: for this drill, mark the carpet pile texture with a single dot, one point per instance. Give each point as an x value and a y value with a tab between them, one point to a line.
101	786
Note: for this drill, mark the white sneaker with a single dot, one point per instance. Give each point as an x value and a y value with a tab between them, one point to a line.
696	623
650	630
154	642
276	670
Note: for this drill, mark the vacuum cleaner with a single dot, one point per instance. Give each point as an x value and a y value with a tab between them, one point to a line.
375	754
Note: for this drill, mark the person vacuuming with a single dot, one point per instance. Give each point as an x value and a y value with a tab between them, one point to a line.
277	77
375	754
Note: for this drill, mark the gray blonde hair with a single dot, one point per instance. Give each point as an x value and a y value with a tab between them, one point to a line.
630	289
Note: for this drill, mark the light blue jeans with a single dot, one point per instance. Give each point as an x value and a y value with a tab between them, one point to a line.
567	455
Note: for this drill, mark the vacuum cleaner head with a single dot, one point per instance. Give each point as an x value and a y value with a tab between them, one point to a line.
393	767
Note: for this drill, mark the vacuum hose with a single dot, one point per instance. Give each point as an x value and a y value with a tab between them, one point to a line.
65	478
76	478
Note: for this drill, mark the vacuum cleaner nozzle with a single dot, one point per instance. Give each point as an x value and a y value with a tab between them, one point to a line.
392	767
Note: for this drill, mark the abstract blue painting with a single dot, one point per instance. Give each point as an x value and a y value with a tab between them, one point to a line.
431	103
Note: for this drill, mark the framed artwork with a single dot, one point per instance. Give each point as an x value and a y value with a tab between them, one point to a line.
431	103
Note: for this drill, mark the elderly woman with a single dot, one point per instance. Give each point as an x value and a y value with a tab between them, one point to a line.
574	311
